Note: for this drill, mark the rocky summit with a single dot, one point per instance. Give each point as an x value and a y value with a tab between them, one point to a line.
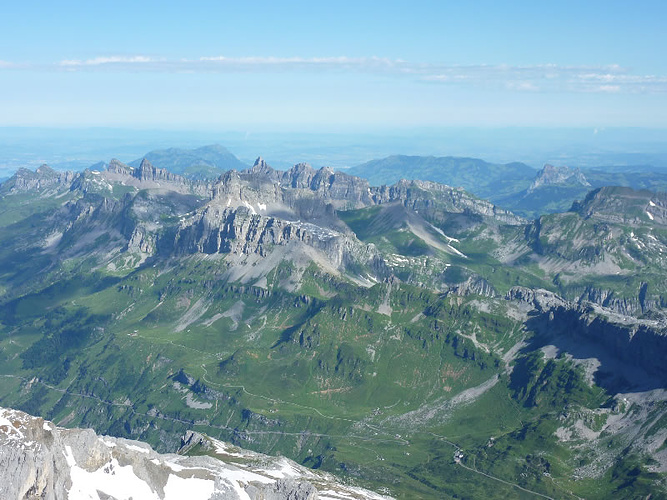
41	460
550	176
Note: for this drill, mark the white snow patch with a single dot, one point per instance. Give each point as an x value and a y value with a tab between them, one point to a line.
12	429
46	426
261	206
191	488
441	233
242	476
460	254
69	456
347	495
229	201
399	258
286	470
649	215
174	467
249	207
112	480
137	448
222	449
110	444
651	203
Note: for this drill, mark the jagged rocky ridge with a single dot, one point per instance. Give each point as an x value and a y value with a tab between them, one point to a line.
44	180
41	460
146	210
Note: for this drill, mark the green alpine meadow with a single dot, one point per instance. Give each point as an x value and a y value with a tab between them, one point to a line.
411	338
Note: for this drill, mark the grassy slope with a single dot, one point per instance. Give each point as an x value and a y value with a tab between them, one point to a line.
324	382
323	375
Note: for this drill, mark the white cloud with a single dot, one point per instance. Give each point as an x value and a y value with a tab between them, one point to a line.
533	78
522	86
99	61
609	88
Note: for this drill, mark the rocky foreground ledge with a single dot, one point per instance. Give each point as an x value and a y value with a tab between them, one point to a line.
40	460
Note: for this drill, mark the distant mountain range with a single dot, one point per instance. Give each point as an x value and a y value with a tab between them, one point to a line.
514	186
477	176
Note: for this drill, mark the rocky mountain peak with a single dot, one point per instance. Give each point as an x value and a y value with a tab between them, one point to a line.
558	176
118	167
44	179
147	171
45	170
623	204
260	164
261	168
146	165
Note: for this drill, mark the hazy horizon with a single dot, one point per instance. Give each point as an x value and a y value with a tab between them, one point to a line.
344	66
335	84
78	148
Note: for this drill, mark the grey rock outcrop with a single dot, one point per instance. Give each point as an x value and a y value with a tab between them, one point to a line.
147	176
542	300
638	342
239	231
558	176
44	180
435	200
40	460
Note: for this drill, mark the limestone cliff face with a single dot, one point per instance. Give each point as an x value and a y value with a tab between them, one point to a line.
217	229
638	342
39	460
44	180
292	187
342	189
642	303
435	200
147	176
558	176
614	204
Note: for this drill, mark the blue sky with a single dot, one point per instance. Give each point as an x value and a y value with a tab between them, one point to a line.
333	65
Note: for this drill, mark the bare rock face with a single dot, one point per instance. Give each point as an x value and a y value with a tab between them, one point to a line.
558	176
44	180
342	189
41	461
434	200
147	176
240	231
542	300
639	342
